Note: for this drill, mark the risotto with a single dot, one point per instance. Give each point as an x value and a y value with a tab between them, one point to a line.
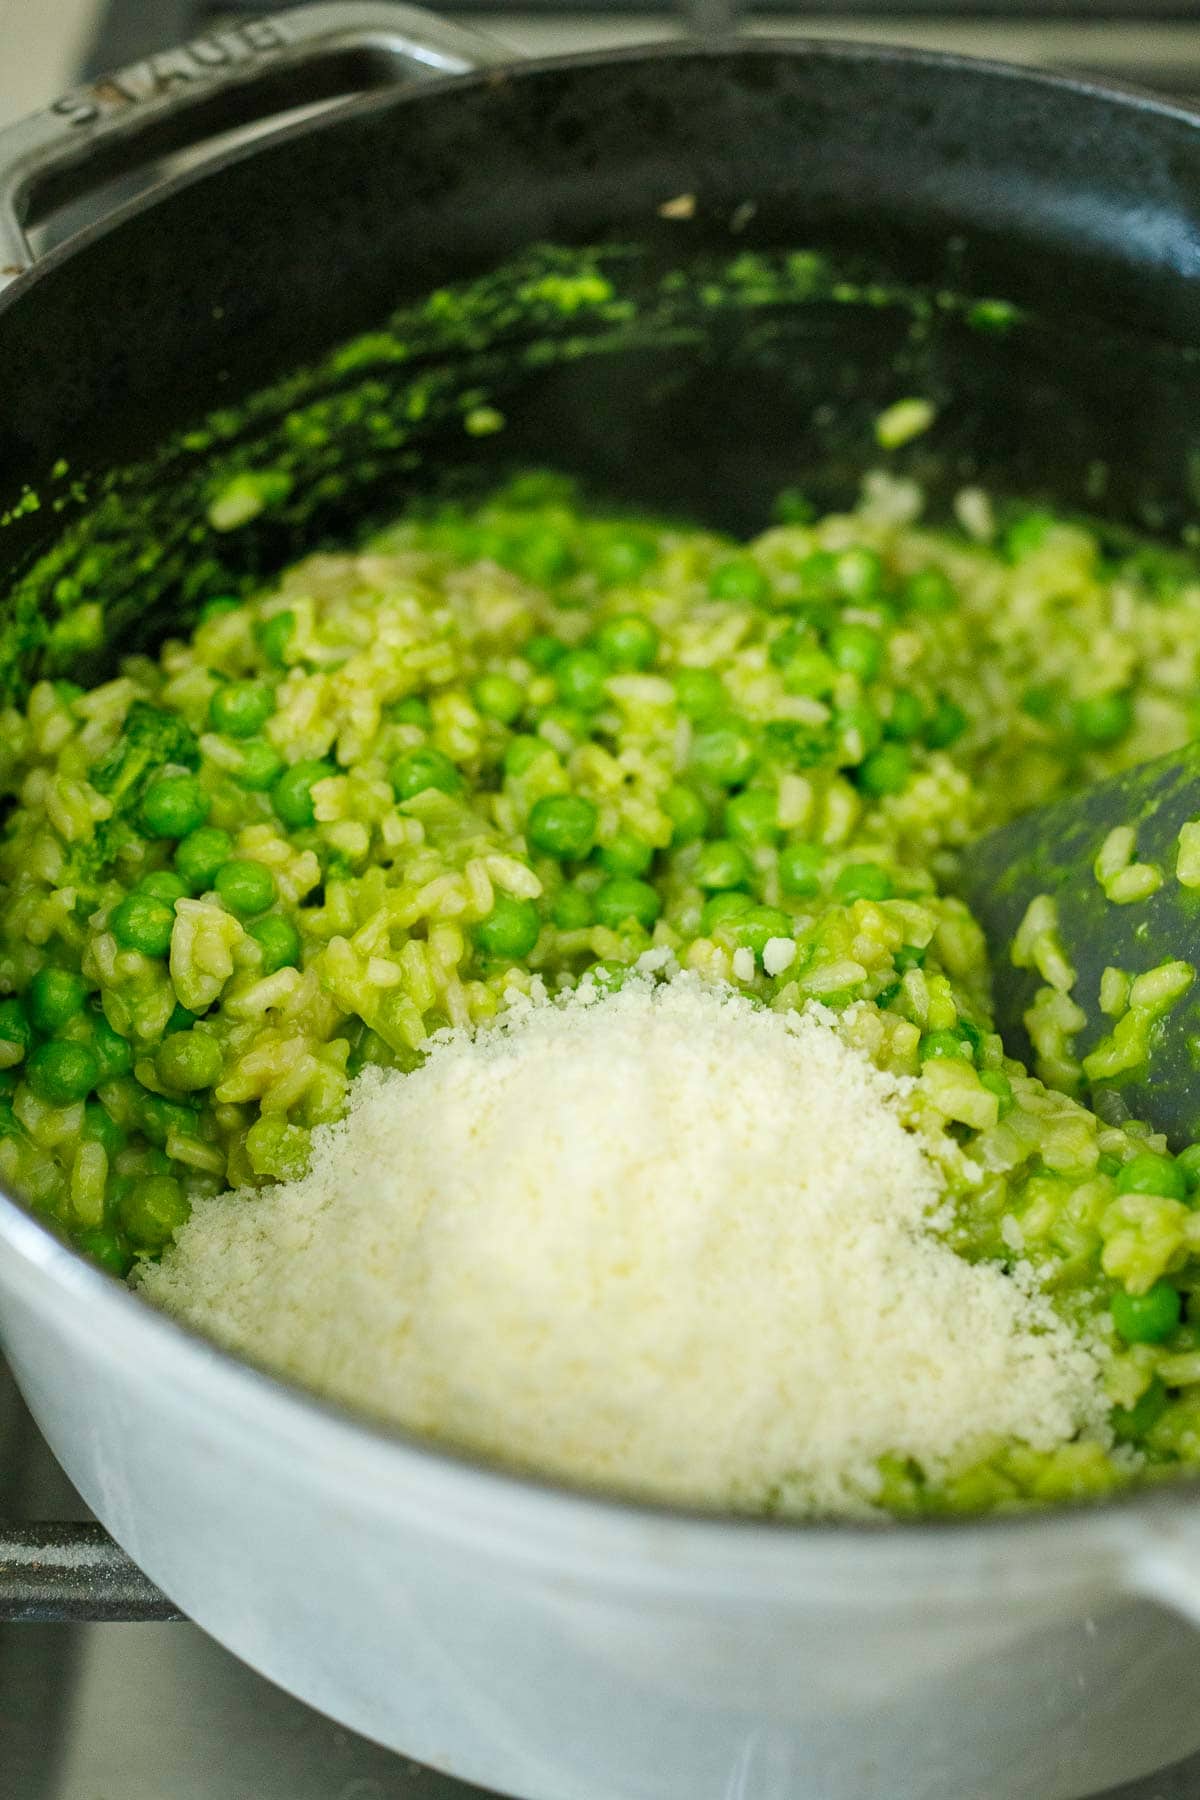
523	743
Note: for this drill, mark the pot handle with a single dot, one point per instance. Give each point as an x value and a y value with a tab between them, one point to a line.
236	76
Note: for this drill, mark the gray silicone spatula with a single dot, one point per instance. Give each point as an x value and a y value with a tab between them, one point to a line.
1149	1066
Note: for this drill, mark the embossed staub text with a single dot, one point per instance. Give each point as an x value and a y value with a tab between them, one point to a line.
189	65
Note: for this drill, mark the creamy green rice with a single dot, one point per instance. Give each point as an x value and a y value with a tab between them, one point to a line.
528	740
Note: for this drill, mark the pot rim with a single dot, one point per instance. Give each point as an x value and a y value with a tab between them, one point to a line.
1126	97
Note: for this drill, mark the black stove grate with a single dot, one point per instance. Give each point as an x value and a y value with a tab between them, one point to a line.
63	1574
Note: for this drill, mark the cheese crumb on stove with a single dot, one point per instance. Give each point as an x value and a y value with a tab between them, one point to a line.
663	1240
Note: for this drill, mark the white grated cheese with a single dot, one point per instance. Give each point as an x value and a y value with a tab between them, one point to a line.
779	953
665	1240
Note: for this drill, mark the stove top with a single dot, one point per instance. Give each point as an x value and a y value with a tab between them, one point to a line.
158	1711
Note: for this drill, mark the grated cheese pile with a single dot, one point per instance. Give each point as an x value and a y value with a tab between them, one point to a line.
664	1240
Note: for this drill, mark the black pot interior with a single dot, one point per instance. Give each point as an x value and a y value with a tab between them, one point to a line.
689	278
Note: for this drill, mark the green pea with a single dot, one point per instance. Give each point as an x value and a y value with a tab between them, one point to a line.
1001	1086
563	826
544	651
61	1073
1147	1318
906	718
629	641
153	1210
1103	720
809	672
494	544
740	580
687	813
786	644
55	995
752	817
929	591
107	1248
752	929
418	770
245	887
622	899
800	868
521	753
723	864
14	1023
863	881
260	767
278	940
608	976
1028	533
793	507
99	1128
857	650
510	930
946	726
623	556
799	637
818	575
885	996
885	771
241	708
412	711
199	855
860	575
724	754
292	796
1147	1173
1131	1423
1043	701
158	1117
725	905
181	1019
218	606
625	854
164	884
1188	1162
859	718
499	697
571	909
581	676
189	1060
143	923
174	805
113	1053
274	635
544	557
700	694
953	1043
